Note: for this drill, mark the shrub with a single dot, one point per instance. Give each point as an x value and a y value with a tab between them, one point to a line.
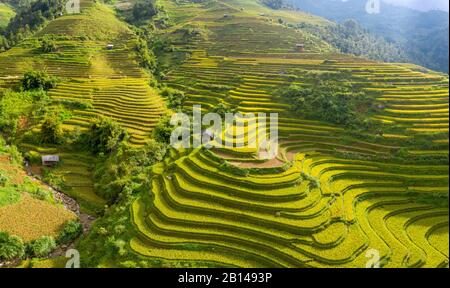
41	194
163	131
72	229
105	135
330	100
174	97
144	10
51	130
48	45
42	246
3	179
10	247
35	80
146	57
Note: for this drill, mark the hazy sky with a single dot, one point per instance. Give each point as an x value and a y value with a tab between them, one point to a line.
423	5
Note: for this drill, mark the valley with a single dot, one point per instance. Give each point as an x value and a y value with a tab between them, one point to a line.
334	193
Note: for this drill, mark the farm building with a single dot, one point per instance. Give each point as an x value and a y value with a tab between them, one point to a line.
300	47
50	160
110	47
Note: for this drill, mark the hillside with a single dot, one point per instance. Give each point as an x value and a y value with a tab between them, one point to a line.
29	211
6	13
335	192
331	195
422	35
108	83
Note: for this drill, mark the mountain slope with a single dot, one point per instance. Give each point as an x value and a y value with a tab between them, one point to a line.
330	197
423	35
106	82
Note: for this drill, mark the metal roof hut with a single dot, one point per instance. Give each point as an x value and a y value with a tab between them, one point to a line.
300	47
110	46
50	160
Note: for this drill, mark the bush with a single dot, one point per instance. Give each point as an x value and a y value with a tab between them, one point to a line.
144	10
3	179
146	57
11	247
330	100
41	194
48	45
72	229
42	246
174	97
105	135
163	131
51	130
35	80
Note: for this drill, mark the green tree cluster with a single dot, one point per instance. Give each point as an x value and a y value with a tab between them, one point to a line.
30	18
105	135
331	100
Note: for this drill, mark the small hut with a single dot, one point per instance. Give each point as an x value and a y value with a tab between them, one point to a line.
300	47
50	160
110	47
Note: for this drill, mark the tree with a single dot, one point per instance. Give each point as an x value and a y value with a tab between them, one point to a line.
163	131
147	58
152	152
222	109
10	247
105	135
51	130
174	97
35	80
48	45
337	102
144	10
31	17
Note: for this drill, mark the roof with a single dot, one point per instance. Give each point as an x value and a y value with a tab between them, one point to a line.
300	45
50	158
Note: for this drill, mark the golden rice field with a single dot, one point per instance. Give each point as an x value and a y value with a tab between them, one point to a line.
31	219
315	209
312	206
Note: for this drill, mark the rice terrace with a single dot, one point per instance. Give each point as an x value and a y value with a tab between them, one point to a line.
335	153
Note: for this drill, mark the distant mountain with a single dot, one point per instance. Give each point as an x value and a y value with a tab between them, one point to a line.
422	35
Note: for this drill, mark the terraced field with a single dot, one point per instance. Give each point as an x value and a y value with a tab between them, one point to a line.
111	80
312	206
330	198
110	83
